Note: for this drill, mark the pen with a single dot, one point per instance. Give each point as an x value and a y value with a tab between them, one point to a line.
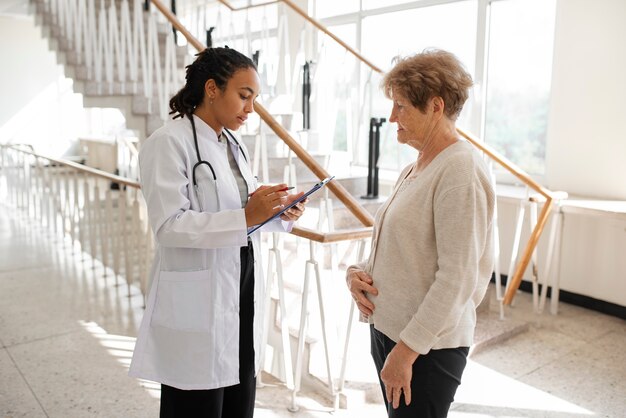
281	190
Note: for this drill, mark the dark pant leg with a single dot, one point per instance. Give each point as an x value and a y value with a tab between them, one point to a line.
178	403
239	399
436	377
234	401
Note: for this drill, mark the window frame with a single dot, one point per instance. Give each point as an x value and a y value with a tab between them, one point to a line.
477	124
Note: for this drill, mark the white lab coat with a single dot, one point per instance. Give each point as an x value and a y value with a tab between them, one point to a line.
189	335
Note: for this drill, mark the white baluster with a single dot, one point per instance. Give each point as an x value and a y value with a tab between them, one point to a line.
90	222
139	47
125	236
135	242
311	266
533	259
551	268
91	42
114	233
98	218
521	210
275	258
344	359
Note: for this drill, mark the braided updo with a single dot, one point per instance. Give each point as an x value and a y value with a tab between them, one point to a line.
218	64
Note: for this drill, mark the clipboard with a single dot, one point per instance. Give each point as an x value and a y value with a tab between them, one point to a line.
312	190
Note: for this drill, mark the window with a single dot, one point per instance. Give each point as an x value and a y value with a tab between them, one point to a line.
518	80
449	26
326	8
335	93
376	4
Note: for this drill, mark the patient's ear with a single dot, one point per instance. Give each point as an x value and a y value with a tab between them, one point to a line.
438	105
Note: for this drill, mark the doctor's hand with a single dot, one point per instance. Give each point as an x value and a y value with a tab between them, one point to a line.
295	212
264	203
360	283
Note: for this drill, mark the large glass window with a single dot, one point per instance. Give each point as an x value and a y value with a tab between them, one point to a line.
326	8
335	91
377	4
518	80
346	94
449	26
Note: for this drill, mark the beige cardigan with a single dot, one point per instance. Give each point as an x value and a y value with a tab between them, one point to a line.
432	252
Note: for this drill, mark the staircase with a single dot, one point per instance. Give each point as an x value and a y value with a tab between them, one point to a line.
143	105
109	65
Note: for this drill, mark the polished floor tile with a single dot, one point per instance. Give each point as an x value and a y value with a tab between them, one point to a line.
595	375
16	397
74	375
67	333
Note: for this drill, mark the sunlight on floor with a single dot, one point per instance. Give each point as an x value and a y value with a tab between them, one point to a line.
484	388
121	348
484	392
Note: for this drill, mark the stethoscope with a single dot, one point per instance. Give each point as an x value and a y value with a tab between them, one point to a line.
208	164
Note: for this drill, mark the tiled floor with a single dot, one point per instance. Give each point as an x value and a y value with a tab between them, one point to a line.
66	335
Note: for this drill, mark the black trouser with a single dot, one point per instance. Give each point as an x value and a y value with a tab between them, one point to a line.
436	376
233	401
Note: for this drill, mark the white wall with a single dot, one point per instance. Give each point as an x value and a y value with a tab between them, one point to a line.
28	66
38	105
593	252
586	147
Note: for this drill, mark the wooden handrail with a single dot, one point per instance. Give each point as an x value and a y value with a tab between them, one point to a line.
337	188
88	170
533	240
335	236
179	26
312	21
504	162
351	203
342	194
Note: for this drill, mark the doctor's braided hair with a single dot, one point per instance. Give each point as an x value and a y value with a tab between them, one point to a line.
218	64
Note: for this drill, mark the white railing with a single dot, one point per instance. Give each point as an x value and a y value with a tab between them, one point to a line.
124	49
128	158
80	205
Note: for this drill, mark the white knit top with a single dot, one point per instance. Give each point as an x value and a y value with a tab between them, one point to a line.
432	252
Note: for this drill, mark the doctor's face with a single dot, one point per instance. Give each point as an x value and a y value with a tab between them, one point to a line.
233	105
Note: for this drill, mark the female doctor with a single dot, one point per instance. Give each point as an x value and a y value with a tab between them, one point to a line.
201	332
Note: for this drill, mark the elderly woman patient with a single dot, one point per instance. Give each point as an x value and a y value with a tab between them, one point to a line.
432	256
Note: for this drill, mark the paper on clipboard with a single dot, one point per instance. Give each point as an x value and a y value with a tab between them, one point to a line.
313	189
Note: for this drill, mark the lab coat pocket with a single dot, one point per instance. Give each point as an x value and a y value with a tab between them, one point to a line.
184	301
206	193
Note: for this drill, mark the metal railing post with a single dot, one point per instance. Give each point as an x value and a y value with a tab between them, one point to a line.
209	37
306	95
173	7
373	155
